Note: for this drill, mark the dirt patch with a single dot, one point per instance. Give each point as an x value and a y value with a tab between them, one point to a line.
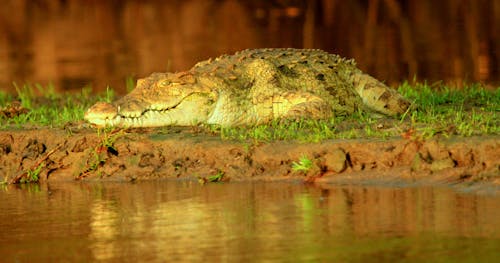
60	155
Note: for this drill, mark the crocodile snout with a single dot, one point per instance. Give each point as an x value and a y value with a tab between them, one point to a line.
101	111
131	107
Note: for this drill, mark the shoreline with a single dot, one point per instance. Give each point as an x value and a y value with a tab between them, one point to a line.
131	155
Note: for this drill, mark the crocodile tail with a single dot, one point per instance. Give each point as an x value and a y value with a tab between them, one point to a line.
377	96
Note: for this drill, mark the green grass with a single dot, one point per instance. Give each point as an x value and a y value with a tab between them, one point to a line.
470	111
46	107
438	109
303	165
32	176
219	177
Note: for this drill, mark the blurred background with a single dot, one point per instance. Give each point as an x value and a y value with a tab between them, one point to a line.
76	43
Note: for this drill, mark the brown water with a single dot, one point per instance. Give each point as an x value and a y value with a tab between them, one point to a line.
286	222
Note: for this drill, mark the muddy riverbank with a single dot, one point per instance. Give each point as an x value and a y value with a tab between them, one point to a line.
84	154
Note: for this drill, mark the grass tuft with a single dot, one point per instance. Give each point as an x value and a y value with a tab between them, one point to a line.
303	165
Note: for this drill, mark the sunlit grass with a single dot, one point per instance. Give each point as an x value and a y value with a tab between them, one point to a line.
469	111
303	165
437	109
46	107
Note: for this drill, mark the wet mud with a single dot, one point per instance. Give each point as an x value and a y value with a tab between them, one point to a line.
141	154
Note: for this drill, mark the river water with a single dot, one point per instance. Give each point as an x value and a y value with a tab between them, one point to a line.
172	221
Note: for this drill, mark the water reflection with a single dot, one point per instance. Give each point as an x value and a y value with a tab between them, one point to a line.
155	221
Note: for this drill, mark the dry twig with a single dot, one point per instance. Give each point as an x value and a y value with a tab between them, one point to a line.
24	173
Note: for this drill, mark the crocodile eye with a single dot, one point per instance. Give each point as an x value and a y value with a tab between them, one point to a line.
164	83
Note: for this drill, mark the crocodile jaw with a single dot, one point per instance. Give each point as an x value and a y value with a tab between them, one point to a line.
150	118
190	111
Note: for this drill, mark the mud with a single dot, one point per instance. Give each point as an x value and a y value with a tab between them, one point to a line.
83	154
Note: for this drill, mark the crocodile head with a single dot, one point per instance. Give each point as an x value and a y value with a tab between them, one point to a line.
159	100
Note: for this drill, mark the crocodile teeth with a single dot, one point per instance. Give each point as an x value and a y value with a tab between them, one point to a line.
131	114
117	119
134	122
157	108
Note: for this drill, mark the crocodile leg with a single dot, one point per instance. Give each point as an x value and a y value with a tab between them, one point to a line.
377	96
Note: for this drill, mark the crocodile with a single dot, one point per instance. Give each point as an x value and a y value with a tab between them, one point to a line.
251	87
